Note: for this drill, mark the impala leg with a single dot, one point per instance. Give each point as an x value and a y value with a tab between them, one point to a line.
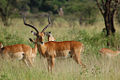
83	65
48	60
76	57
5	56
40	53
30	61
51	63
29	58
33	60
26	62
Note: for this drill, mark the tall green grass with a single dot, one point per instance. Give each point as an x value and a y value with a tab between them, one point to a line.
97	67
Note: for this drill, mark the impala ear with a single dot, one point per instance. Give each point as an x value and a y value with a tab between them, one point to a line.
47	33
34	33
31	40
1	46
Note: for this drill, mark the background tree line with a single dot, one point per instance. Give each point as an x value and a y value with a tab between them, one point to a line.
83	10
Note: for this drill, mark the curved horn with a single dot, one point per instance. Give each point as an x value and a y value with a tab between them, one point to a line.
49	23
30	25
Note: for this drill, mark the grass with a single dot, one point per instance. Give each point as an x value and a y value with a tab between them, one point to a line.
97	67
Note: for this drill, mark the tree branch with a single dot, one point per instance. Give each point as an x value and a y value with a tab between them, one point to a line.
101	10
117	2
103	2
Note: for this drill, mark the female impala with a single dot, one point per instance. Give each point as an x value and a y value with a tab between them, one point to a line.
20	52
50	36
53	49
17	51
109	52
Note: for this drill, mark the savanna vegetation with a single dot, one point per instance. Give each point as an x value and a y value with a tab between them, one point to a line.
81	22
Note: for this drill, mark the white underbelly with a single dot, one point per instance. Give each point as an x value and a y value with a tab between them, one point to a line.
18	55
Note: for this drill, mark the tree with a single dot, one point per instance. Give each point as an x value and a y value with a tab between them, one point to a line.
8	8
4	7
108	9
82	8
52	5
35	5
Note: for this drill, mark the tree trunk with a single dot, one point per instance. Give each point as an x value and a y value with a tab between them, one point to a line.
5	20
108	18
112	23
107	9
109	24
4	17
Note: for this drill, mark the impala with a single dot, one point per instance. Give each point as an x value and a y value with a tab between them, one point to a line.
50	36
109	52
17	51
53	49
20	52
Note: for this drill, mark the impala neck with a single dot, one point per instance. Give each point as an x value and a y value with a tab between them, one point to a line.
41	48
35	48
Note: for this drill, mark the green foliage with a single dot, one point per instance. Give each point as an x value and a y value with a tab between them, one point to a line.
3	3
22	5
99	39
4	77
8	8
83	10
52	5
8	38
35	5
